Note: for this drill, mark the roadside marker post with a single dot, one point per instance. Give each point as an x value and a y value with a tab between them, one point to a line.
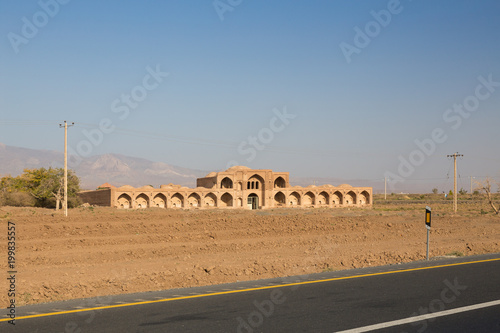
428	226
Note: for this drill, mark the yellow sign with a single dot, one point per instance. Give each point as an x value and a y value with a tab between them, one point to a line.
428	216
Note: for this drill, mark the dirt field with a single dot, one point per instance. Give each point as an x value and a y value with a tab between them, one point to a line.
104	251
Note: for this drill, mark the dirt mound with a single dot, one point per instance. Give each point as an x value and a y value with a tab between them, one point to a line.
104	251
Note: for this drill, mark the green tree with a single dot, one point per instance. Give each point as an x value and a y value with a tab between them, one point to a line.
45	185
435	190
13	193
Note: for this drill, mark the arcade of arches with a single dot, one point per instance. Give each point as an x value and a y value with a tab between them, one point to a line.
237	187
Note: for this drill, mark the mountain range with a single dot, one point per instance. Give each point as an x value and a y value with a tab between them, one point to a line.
121	170
93	171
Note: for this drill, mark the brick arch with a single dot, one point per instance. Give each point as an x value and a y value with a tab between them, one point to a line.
160	201
279	182
350	198
177	200
323	198
194	200
337	198
308	199
294	199
142	201
364	198
255	182
279	199
226	200
226	182
210	200
124	201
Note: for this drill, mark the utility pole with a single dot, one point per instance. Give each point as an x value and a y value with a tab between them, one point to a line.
385	188
65	165
455	180
471	185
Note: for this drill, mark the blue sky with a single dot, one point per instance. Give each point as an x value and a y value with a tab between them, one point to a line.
351	117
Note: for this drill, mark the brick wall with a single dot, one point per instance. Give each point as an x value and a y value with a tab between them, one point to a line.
96	198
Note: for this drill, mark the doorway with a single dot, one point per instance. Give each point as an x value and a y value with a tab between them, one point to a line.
253	201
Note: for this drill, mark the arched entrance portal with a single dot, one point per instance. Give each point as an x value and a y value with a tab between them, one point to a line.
253	201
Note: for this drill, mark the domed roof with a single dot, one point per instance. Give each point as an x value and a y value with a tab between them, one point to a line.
211	174
344	185
237	168
126	187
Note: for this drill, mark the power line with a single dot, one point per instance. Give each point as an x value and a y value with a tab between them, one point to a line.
28	122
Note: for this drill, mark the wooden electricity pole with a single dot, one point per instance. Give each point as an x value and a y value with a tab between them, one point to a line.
65	165
455	180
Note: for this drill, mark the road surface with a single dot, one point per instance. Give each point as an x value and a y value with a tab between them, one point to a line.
449	295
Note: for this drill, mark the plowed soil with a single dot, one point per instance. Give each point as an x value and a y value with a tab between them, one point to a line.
104	251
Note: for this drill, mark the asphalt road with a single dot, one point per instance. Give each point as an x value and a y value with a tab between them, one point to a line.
442	297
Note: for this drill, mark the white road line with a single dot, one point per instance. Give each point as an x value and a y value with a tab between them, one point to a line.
420	318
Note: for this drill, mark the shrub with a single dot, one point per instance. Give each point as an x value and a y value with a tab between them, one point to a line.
17	199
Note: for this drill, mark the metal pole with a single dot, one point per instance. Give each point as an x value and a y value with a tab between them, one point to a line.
427	244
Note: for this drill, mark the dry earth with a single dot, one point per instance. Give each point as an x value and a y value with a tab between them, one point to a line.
104	251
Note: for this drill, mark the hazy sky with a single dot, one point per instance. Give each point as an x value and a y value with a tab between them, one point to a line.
318	88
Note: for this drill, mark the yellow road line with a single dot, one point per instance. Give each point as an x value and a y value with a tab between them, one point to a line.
248	289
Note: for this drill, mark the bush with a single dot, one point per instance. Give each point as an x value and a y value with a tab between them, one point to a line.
17	199
74	202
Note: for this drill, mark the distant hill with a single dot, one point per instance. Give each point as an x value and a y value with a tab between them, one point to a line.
95	170
121	170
